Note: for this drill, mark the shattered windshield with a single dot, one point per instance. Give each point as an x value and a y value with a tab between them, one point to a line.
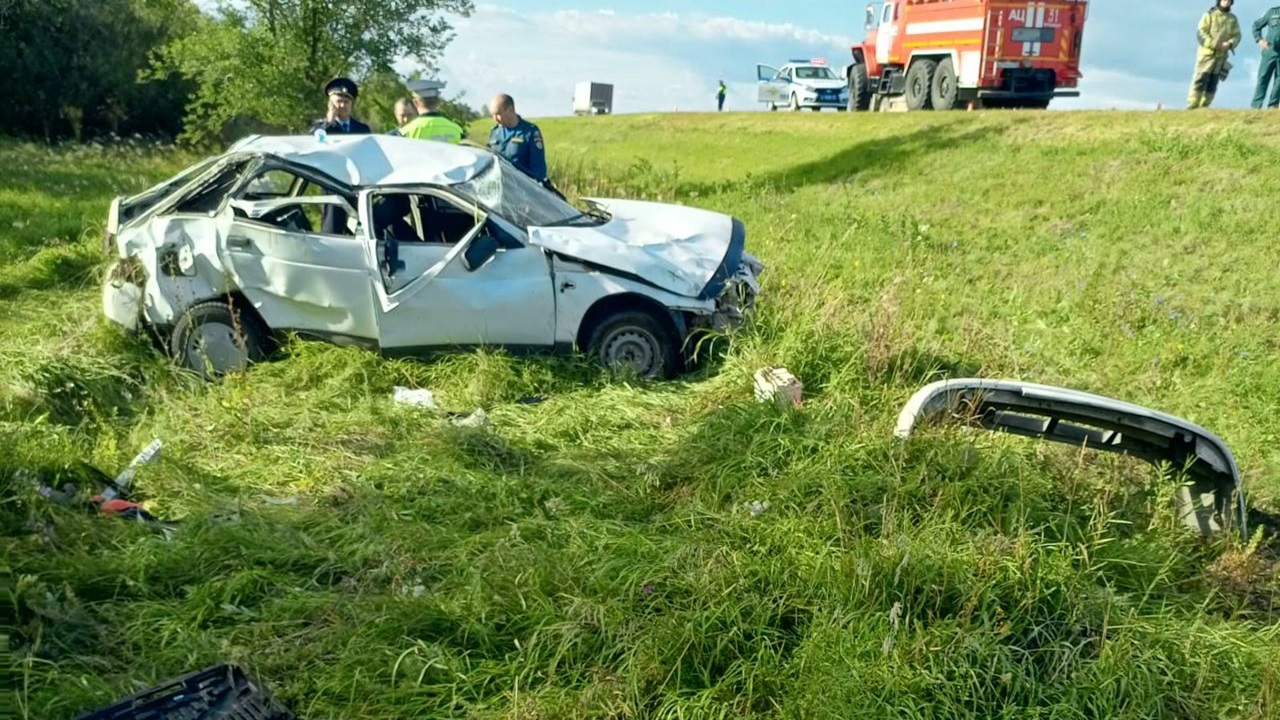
519	199
156	191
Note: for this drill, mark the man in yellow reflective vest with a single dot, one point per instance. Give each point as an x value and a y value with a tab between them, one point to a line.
430	124
1217	35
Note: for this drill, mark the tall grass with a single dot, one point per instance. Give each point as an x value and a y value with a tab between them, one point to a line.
677	550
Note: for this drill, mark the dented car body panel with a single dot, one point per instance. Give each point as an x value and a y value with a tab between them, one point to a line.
1214	497
678	249
404	245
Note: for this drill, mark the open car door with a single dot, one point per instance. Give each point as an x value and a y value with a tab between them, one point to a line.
1096	422
771	88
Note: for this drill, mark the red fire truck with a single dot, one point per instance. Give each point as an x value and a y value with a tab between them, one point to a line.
945	54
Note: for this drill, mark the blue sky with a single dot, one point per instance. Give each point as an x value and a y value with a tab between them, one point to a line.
663	55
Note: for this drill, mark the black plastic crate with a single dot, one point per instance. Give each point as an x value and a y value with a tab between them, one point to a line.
222	692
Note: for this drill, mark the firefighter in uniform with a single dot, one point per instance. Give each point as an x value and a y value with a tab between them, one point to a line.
342	93
1218	35
518	140
1266	32
430	124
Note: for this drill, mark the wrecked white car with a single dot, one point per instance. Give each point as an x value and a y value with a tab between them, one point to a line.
404	246
1210	502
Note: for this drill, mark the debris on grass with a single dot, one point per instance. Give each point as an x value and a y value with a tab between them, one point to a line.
283	500
112	500
779	385
220	691
421	398
479	418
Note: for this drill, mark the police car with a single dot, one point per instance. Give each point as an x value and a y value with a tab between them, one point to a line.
802	84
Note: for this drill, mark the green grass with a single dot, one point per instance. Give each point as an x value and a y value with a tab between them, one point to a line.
594	555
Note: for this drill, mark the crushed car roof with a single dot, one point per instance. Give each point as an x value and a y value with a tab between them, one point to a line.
372	160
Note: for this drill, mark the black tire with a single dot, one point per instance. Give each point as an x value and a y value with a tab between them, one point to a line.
240	339
945	89
795	103
859	88
635	339
920	84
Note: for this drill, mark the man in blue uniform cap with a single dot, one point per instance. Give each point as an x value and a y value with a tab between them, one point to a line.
518	140
342	93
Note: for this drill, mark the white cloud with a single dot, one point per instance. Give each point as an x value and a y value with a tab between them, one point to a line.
655	61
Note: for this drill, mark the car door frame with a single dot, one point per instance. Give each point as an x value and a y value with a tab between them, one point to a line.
512	240
772	90
360	327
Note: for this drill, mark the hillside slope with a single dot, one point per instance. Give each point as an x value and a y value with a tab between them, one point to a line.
596	554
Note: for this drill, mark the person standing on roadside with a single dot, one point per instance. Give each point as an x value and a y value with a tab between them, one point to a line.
430	124
342	93
404	112
720	93
1217	35
1266	33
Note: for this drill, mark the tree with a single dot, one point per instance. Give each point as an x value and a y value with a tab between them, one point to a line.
269	59
76	62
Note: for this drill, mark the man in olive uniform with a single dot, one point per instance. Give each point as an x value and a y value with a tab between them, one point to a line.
430	124
342	93
1218	35
1266	32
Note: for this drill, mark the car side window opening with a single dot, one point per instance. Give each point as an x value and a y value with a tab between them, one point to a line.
271	184
309	218
421	218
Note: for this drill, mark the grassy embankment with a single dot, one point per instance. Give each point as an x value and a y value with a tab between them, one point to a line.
594	555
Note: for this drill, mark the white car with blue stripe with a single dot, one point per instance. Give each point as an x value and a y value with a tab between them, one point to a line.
802	84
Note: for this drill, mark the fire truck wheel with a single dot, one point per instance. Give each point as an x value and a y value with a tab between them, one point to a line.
944	89
920	84
859	88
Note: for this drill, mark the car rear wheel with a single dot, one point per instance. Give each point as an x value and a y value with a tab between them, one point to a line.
214	338
920	84
635	341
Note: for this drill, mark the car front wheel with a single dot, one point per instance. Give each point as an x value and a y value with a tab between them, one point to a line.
635	341
213	339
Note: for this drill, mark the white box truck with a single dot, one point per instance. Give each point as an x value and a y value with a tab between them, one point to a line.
593	98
